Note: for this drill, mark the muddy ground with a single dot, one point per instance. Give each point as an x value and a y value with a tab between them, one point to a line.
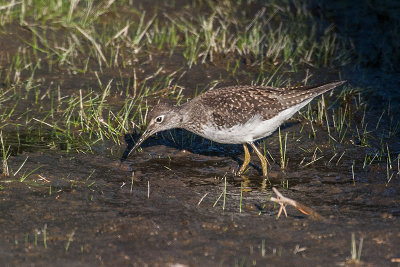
91	210
177	202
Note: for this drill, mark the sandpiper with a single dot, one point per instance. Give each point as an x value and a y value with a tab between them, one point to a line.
234	114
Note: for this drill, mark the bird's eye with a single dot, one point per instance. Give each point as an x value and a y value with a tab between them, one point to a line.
159	119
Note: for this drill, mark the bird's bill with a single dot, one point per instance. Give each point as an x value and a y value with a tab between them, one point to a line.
143	138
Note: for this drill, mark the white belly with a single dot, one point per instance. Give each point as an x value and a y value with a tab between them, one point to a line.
253	129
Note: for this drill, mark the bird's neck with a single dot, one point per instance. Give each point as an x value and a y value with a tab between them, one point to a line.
191	116
183	112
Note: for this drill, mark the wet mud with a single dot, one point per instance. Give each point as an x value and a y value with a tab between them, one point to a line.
177	201
168	206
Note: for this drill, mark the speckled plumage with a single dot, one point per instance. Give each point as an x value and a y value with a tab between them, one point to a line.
237	104
235	114
226	107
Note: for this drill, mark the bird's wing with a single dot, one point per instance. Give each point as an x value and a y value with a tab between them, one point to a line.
291	96
236	105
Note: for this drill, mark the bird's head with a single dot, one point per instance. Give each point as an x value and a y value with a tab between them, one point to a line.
162	117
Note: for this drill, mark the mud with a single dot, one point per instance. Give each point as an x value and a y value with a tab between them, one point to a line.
94	211
177	201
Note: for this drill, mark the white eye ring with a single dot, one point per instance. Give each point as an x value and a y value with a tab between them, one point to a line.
159	119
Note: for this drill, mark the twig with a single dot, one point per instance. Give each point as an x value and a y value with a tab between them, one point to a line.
284	201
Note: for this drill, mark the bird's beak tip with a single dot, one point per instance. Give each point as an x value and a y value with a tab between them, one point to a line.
142	138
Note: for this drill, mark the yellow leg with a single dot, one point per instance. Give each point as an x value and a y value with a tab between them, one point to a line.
246	160
264	163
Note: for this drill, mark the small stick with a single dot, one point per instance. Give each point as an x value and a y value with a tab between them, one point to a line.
284	201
